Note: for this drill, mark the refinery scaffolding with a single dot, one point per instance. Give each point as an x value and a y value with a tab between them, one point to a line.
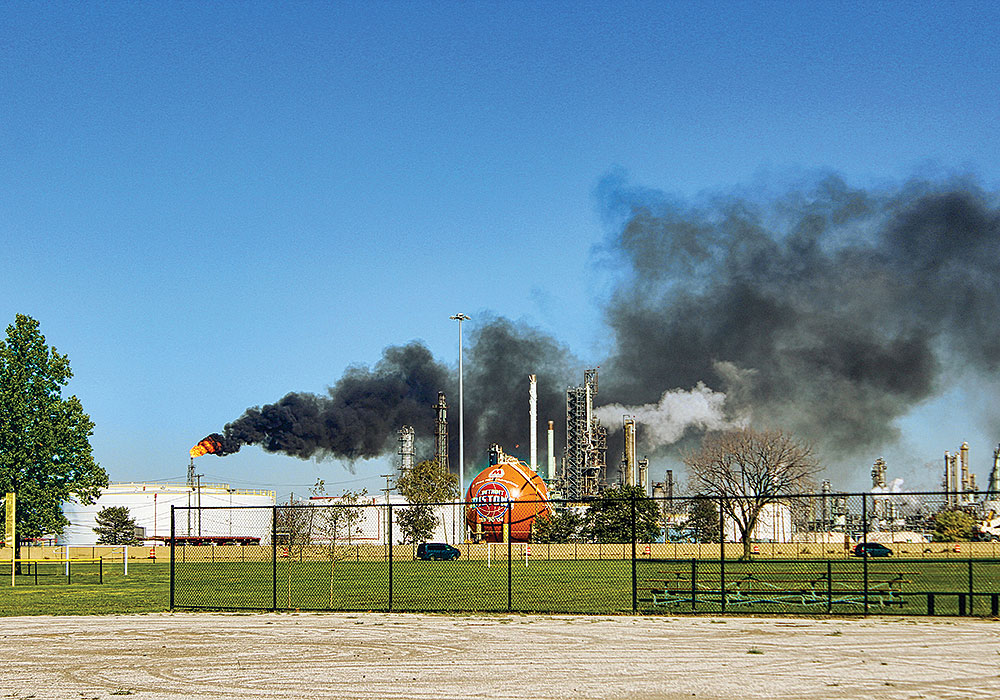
584	467
441	432
406	449
993	485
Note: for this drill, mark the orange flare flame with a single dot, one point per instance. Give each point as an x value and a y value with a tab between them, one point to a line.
206	446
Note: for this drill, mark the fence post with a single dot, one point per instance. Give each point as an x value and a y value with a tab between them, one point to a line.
172	541
694	582
864	538
829	586
274	558
970	585
635	597
389	547
510	552
722	554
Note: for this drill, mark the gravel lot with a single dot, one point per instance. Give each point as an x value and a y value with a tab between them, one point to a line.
377	655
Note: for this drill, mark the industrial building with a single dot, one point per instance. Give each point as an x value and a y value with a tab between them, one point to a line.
149	504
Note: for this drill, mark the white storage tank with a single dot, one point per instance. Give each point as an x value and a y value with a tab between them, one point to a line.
371	528
774	524
149	505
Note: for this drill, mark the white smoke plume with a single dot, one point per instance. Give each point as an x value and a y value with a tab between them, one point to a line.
894	486
664	422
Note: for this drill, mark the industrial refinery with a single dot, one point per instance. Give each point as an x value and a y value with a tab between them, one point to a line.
507	496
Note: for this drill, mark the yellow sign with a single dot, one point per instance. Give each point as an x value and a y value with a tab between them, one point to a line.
8	531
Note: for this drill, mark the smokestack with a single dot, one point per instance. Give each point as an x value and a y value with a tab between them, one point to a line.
949	482
629	465
965	489
533	416
552	453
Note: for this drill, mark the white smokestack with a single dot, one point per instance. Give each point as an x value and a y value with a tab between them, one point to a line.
533	412
630	465
552	453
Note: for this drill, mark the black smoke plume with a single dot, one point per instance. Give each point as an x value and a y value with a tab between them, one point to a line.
358	417
361	414
829	311
501	357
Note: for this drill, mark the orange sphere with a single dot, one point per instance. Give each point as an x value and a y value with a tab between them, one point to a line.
507	492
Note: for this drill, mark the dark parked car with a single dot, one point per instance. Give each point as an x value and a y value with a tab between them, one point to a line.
874	549
436	550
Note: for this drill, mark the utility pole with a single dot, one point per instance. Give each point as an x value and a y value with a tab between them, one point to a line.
388	511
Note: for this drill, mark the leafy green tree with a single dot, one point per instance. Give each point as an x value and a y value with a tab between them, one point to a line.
416	522
428	482
609	518
560	525
953	526
423	485
703	520
45	453
116	526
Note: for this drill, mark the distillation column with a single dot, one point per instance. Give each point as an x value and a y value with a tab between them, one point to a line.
628	458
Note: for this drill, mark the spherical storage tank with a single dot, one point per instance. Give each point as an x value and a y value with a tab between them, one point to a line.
507	491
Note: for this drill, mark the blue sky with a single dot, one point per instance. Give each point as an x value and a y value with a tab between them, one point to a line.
208	205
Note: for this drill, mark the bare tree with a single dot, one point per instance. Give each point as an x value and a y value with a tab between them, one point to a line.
747	470
336	522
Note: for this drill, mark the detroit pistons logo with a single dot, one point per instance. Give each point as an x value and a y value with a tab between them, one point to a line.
491	501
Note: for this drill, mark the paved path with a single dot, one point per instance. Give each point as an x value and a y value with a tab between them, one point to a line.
376	655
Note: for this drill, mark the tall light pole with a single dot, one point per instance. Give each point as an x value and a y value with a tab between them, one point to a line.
461	412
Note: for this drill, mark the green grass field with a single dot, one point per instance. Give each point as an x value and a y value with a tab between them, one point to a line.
589	586
145	589
584	586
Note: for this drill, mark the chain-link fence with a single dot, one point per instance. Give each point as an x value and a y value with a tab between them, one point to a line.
820	553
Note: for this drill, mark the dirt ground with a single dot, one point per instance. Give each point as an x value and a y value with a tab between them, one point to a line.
377	655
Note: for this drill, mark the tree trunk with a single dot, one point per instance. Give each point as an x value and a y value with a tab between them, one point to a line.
17	554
